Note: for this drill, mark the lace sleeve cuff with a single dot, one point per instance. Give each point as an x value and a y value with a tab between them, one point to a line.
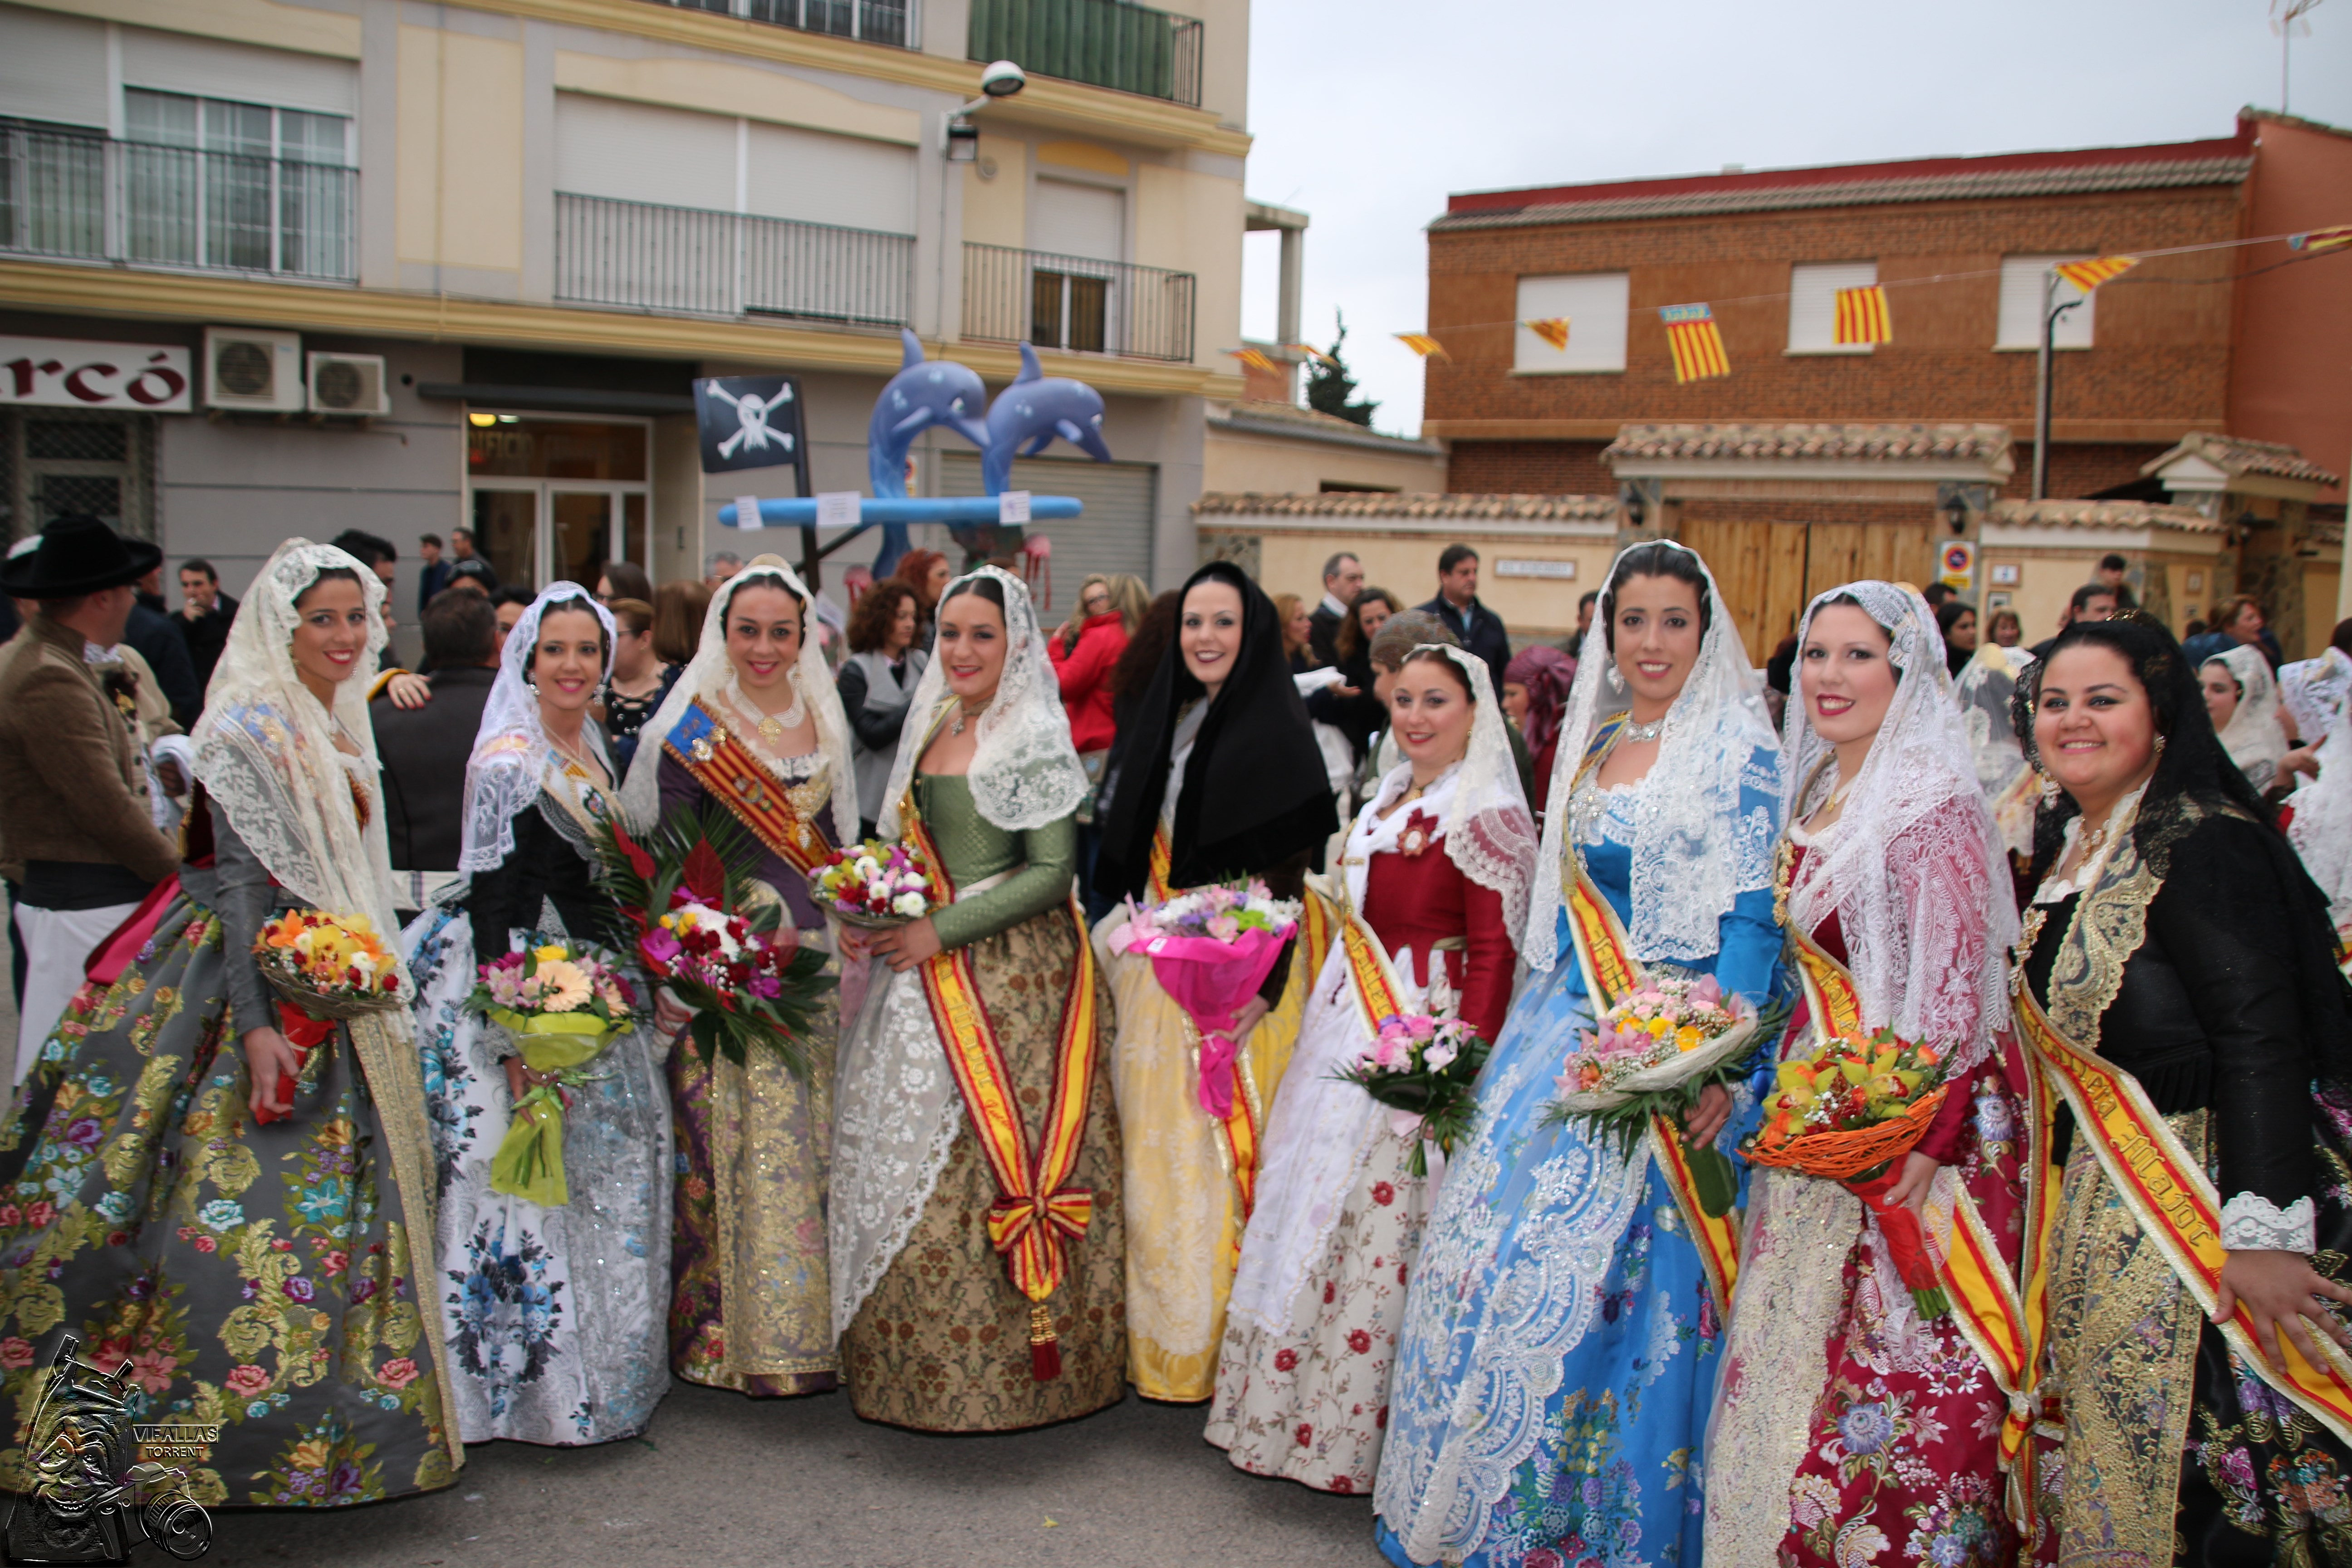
2251	1223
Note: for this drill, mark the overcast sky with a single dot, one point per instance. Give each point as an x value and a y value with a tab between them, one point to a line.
1369	112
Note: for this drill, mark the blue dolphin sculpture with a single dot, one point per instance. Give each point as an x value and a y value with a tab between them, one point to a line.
1035	409
923	393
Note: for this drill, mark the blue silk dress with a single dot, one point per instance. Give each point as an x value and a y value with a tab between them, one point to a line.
1560	1342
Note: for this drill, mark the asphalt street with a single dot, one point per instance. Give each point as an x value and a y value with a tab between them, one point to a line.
723	1481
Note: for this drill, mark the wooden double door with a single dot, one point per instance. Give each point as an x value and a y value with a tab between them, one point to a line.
1769	572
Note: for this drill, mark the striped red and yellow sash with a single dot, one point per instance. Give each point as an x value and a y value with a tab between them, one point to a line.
1036	1209
2174	1201
1610	973
1373	978
1160	855
723	766
1983	1290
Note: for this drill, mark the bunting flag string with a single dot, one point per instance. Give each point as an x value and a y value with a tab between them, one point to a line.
1311	352
2321	239
1256	360
1422	345
2088	275
1862	316
1552	330
1695	342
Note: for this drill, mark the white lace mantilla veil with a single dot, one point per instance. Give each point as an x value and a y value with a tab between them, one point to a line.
511	748
266	752
1694	854
2253	735
2321	830
707	676
896	1109
1025	771
1488	831
1914	867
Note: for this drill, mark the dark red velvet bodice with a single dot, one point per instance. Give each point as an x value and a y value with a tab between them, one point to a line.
1415	902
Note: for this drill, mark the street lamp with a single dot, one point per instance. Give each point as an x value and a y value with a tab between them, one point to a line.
2051	310
1002	80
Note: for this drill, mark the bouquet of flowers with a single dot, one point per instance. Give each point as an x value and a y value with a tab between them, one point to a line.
716	935
875	886
1210	949
1650	1056
561	1004
1421	1067
1849	1113
324	968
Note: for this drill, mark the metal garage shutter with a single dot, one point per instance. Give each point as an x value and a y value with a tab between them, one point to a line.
1114	534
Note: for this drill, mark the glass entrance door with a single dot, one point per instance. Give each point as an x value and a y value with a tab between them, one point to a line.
554	500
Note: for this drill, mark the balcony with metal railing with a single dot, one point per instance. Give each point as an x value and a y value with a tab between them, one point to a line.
891	21
1107	43
639	256
1077	304
71	194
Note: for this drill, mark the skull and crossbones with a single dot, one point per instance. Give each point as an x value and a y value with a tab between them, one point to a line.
751	410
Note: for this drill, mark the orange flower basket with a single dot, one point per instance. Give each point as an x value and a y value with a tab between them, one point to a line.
1844	1153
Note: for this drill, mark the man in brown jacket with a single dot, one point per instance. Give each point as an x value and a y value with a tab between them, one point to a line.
74	808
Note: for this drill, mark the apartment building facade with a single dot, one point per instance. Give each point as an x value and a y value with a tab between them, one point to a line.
1811	456
408	266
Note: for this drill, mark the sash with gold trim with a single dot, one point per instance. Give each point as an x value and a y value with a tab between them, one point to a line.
723	766
1606	960
1036	1209
1977	1281
2174	1204
1240	1129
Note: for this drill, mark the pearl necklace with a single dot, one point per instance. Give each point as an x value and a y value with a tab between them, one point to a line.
1643	733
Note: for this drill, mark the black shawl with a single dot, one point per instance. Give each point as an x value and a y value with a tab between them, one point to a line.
1256	792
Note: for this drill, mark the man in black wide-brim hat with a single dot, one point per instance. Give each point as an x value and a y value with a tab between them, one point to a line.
76	831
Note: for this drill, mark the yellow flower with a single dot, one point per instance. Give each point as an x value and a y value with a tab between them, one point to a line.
550	953
1658	1027
1686	1038
312	1453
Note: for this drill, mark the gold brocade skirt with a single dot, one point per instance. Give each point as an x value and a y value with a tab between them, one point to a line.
1184	1218
942	1342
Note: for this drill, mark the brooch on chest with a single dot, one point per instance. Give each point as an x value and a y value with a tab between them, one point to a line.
1419	828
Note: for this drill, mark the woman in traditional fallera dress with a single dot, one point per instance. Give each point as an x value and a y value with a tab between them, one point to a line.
976	1224
1437	871
1842	1418
755	726
2178	1001
257	1274
1559	1349
555	1316
1219	779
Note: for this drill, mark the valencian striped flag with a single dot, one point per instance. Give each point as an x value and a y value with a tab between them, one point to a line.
1552	330
2088	275
1862	316
1422	345
1311	352
1256	360
1696	343
2321	239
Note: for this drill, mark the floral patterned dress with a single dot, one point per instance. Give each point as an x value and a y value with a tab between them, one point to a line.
1558	1351
1310	1337
1895	1460
264	1277
555	1317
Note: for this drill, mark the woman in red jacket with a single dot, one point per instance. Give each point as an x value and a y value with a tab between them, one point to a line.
1085	649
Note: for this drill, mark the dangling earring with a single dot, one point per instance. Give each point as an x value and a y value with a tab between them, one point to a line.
1616	676
2050	787
2160	744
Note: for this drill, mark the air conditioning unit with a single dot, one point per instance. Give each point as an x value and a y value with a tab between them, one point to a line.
253	371
348	384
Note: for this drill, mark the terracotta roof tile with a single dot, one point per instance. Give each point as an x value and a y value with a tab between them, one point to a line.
1990	184
2101	514
2235	455
1834	443
1435	508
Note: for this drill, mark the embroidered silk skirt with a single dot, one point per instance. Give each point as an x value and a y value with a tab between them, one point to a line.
257	1275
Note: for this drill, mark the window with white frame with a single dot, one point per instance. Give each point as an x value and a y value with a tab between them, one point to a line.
2022	279
1593	303
1812	305
209	181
